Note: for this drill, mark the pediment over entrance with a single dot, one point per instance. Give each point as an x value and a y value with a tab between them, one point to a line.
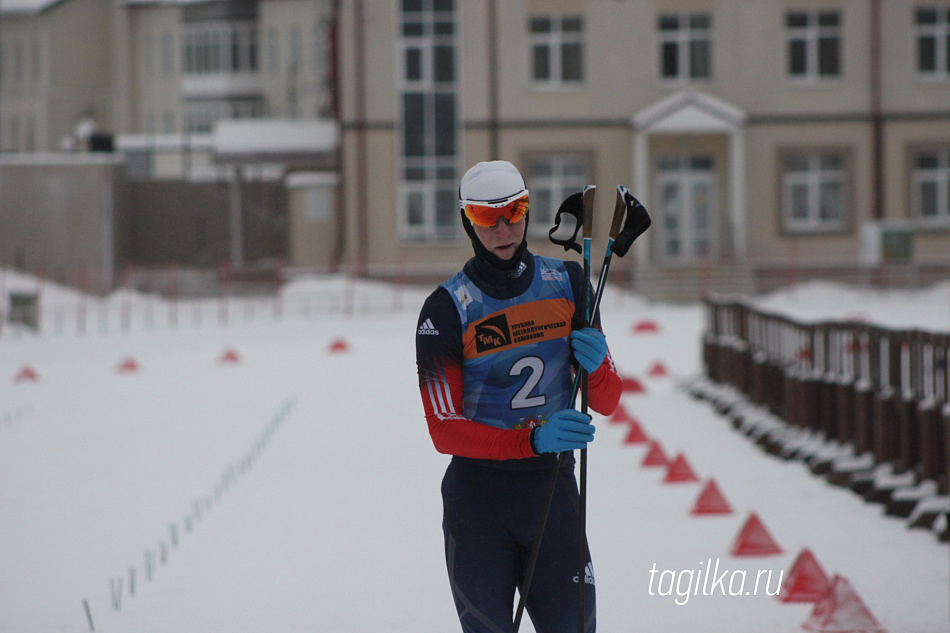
689	112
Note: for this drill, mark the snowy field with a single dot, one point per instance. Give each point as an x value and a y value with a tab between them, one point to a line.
295	488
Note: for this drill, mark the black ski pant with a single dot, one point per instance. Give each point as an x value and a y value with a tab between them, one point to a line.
490	516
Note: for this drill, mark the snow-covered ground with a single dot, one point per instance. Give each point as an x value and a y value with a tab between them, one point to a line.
297	490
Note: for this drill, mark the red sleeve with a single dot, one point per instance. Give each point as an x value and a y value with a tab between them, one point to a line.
454	434
439	365
605	387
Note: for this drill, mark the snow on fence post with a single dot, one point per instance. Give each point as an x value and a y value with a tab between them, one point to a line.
349	289
278	286
81	305
224	291
126	300
173	295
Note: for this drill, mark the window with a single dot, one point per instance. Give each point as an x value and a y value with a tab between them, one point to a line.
551	179
224	49
167	61
932	27
273	51
813	192
17	61
814	44
14	141
149	56
685	46
931	187
36	65
321	64
557	50
296	49
428	94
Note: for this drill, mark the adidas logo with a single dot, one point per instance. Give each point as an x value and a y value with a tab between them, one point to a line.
428	328
588	574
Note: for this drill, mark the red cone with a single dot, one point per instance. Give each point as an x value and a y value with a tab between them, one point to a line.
657	370
711	501
655	456
841	610
27	374
128	366
646	326
636	434
632	385
621	414
754	540
806	580
230	357
339	346
679	471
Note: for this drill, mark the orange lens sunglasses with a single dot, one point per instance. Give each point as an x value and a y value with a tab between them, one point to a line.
486	214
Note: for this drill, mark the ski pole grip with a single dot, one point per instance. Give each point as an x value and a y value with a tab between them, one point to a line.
619	208
588	205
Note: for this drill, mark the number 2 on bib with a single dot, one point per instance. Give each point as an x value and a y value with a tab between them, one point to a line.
534	367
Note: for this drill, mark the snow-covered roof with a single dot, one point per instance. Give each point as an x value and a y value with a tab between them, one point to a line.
246	140
26	7
33	7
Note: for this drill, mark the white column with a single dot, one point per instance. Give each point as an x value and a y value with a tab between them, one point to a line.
739	221
236	219
641	180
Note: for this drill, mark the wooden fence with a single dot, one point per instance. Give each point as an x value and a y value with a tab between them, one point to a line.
882	392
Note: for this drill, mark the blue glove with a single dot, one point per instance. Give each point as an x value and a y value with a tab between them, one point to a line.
590	348
566	430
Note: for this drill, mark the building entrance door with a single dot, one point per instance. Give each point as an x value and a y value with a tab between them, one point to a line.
687	209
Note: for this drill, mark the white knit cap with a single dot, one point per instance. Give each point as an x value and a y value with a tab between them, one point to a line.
491	180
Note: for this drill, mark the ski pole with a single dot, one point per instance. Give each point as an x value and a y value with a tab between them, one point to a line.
582	499
587	205
634	219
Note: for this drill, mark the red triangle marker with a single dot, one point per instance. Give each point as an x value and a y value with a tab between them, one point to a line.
27	374
806	580
128	366
621	414
711	501
230	357
339	346
632	385
754	540
657	370
655	456
679	471
636	434
841	610
646	326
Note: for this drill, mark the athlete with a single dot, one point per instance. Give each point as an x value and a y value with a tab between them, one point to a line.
497	348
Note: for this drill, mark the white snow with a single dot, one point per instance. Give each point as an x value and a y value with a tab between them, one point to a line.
298	490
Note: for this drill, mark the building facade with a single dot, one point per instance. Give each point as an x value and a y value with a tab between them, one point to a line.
771	140
767	139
